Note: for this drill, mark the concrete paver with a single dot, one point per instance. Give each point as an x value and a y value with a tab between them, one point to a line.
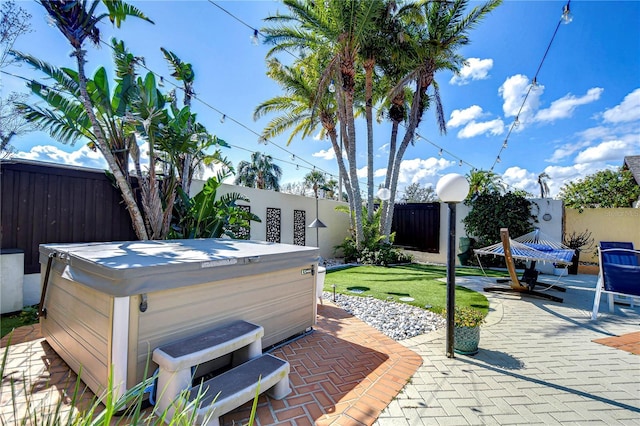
538	364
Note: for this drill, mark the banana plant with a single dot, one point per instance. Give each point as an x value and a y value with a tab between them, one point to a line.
204	216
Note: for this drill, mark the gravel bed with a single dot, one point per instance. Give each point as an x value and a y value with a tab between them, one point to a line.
397	320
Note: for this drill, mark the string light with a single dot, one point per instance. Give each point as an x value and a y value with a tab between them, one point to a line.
161	82
224	116
566	17
440	152
460	163
254	38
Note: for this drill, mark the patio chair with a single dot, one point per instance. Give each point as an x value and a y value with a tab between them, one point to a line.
515	283
619	273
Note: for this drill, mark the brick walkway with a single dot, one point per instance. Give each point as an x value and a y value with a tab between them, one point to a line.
345	373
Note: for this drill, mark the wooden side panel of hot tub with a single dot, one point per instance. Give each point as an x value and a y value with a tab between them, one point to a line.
283	302
78	327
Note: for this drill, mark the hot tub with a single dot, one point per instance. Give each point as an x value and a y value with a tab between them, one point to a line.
108	305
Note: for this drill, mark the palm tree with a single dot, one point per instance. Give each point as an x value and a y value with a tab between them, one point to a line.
303	107
77	21
314	180
261	172
544	186
334	31
436	37
483	182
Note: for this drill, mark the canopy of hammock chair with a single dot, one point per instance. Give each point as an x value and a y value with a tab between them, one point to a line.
534	246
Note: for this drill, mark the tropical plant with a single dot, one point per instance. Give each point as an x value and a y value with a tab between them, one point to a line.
78	21
261	172
484	182
544	185
491	211
374	250
603	189
314	180
204	216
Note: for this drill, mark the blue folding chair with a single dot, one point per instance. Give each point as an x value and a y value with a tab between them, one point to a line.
619	273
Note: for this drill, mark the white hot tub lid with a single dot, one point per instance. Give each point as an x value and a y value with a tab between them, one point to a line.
134	267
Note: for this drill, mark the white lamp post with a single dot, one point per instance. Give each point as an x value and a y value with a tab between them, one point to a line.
451	189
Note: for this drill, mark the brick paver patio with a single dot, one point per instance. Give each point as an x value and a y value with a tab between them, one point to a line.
344	373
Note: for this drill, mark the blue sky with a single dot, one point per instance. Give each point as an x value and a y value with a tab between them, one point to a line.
584	115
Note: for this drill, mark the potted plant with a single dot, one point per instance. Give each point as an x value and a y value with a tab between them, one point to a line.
466	332
578	241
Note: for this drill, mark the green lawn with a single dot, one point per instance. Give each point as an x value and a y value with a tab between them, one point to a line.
417	281
27	317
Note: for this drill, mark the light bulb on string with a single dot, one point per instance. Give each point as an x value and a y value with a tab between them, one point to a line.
224	117
566	17
504	144
460	163
254	38
516	122
440	152
534	84
332	87
293	157
498	160
262	140
161	82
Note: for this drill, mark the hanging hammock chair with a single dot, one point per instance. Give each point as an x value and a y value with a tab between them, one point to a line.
533	247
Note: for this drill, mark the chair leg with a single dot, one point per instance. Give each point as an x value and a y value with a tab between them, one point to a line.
596	301
611	302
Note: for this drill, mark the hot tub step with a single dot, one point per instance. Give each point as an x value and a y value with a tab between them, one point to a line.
233	388
175	360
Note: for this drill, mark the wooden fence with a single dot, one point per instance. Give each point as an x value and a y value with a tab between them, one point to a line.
57	204
417	226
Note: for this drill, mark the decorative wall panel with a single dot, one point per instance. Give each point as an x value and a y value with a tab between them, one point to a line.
299	227
274	217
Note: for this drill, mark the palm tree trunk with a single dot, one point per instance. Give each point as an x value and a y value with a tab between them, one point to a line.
388	206
411	127
101	141
368	67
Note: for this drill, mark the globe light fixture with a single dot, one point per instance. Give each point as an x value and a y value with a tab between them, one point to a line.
451	189
384	194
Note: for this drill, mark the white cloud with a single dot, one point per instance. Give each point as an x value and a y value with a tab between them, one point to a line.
380	173
460	117
325	154
628	110
362	173
606	151
513	91
423	171
83	157
472	129
565	106
474	69
566	150
516	177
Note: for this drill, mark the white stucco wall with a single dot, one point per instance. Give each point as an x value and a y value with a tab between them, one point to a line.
551	227
11	277
337	222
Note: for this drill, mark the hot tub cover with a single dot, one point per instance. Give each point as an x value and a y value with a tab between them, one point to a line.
134	267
